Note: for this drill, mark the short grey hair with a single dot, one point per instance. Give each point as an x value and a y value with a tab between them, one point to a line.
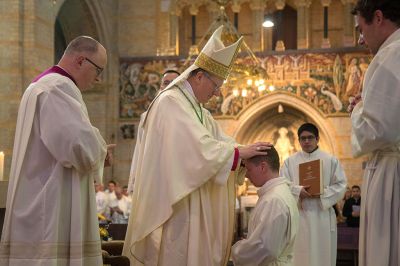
82	44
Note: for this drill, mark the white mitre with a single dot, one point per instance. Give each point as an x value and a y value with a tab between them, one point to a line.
215	58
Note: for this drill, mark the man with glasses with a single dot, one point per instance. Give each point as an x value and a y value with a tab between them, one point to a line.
375	132
51	205
316	240
184	194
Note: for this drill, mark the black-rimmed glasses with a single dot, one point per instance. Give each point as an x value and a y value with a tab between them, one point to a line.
98	69
305	138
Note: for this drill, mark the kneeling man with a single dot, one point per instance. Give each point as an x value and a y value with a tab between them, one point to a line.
274	221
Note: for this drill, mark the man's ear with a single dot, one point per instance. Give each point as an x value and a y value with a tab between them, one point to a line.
79	60
264	165
378	16
199	75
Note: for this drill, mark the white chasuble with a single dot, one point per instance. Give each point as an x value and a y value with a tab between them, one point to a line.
273	227
183	194
376	131
316	241
51	206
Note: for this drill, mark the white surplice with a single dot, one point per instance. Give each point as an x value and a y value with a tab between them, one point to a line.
101	202
183	194
375	131
51	207
273	227
316	240
124	204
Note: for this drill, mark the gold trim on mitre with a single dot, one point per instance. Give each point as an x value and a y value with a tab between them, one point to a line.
210	65
217	59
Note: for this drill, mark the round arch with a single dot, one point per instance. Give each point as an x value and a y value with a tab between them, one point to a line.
252	117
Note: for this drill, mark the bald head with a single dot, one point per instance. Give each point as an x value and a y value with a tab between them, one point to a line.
82	44
84	59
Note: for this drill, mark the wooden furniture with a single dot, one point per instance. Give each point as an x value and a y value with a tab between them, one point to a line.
347	245
112	251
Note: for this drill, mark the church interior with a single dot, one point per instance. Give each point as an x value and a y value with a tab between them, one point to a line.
304	68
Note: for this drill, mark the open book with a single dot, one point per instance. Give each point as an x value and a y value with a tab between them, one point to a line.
310	174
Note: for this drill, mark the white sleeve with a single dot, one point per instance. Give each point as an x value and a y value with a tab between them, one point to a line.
375	120
268	239
337	187
68	134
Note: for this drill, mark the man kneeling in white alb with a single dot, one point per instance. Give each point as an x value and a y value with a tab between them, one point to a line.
274	221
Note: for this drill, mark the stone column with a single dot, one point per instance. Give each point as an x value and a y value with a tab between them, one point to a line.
280	44
257	8
303	24
348	24
193	11
236	10
26	48
325	41
268	46
174	31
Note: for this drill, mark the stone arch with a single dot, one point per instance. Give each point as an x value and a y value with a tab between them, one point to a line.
258	120
68	27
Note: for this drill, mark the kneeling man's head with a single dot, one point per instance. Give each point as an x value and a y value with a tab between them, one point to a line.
262	168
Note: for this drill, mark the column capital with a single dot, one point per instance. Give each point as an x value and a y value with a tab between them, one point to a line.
235	7
175	11
257	5
303	3
344	2
193	10
326	3
280	4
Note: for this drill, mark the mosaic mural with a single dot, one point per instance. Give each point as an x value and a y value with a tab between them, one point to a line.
325	80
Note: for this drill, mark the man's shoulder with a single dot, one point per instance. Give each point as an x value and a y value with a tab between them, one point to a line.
173	93
276	201
54	79
294	156
325	155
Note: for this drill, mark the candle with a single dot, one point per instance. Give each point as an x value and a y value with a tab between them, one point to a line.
1	165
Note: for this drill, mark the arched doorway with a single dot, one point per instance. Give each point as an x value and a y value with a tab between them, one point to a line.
264	120
68	26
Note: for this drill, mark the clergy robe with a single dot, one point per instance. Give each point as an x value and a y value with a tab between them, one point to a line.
124	204
183	196
375	131
316	240
272	228
51	206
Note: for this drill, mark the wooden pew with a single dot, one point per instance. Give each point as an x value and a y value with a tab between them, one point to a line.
347	245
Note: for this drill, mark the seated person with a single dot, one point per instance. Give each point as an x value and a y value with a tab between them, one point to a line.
351	208
274	221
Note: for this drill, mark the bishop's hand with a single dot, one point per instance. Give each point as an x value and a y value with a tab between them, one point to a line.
258	148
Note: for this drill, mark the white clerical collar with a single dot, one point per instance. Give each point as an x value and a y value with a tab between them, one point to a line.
310	154
271	184
188	87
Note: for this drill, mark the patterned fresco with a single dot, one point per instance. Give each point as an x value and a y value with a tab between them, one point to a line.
324	80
